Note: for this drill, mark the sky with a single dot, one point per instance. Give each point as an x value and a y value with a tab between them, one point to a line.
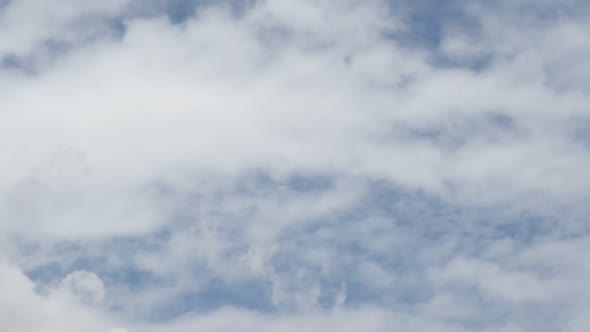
280	165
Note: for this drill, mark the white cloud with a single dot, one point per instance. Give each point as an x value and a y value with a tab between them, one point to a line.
21	309
302	152
86	286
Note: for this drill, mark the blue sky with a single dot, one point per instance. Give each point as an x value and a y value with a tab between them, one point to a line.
278	165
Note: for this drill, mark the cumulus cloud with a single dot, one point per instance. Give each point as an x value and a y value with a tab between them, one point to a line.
23	309
247	165
85	286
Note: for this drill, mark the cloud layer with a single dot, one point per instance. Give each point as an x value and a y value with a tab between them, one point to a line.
271	165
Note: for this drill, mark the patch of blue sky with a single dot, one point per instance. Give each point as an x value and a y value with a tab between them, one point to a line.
219	293
179	11
426	24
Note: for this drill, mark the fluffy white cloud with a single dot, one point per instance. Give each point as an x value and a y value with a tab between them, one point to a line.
23	309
